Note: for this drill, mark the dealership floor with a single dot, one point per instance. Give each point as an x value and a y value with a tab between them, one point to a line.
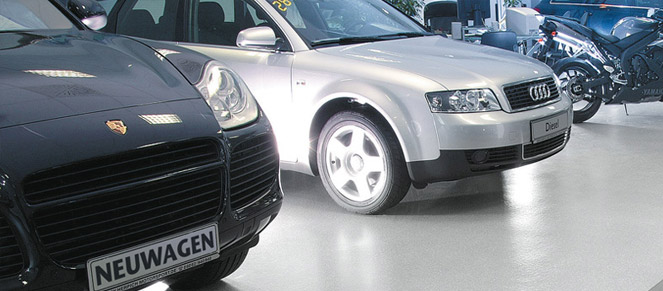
589	218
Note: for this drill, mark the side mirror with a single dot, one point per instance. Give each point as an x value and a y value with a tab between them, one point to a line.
257	37
90	12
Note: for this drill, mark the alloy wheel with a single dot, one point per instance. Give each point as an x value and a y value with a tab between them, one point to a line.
356	163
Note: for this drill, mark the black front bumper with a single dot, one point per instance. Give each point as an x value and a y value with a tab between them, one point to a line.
457	164
238	224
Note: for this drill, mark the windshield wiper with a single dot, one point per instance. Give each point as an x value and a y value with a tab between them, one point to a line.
362	39
408	34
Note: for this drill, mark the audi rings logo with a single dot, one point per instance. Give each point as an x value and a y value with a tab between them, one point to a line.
539	92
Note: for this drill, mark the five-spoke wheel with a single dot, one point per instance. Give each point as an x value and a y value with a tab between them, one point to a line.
361	163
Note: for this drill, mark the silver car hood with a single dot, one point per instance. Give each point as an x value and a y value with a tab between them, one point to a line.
453	64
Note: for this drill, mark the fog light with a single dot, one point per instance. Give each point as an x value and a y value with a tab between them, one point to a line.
480	157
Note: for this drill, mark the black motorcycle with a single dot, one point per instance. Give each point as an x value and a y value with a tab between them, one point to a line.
623	67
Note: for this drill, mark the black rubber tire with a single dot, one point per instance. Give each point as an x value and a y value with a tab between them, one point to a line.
592	107
580	116
397	178
211	272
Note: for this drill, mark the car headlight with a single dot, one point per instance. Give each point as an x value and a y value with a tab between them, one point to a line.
227	95
474	100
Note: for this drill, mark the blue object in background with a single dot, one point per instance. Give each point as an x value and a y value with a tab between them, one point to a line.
600	15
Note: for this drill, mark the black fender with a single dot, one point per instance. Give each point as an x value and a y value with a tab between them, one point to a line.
593	67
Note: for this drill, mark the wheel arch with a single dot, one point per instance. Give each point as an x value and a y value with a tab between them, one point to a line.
591	67
340	103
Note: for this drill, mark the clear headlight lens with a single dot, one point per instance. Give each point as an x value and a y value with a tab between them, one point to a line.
474	100
227	95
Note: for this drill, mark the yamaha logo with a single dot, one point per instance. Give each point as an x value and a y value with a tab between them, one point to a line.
539	92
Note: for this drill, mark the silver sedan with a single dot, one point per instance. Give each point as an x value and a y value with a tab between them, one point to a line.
364	96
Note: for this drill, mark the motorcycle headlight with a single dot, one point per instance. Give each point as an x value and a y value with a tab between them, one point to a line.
227	95
474	100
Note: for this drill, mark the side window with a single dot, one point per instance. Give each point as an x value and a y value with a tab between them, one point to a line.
107	4
215	22
220	21
258	19
149	19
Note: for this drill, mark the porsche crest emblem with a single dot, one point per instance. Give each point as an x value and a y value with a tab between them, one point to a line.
117	126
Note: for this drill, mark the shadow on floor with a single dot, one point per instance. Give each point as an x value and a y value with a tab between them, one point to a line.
219	286
475	194
481	193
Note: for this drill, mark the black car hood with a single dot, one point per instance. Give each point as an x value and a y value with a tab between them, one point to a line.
57	74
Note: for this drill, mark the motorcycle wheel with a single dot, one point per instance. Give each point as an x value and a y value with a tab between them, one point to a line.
585	104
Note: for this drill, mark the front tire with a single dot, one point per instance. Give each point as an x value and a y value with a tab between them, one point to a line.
585	102
361	163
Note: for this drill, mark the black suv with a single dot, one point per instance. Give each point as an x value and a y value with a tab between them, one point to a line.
123	162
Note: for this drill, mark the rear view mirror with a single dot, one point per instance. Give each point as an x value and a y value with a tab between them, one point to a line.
90	12
257	37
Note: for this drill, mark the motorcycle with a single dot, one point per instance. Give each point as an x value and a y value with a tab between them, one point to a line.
623	67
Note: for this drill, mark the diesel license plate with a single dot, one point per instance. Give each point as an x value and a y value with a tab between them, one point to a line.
549	126
155	260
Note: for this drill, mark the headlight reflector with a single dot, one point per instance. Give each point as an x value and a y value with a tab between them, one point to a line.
227	95
473	100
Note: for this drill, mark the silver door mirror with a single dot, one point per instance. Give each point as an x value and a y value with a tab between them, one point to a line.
90	12
257	37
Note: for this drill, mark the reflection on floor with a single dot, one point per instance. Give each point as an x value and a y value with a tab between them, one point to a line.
589	218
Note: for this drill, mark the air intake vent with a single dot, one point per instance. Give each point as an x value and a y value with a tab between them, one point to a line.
533	150
253	170
492	159
11	259
494	155
520	95
85	228
116	170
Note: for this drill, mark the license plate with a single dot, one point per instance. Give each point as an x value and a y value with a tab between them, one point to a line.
549	126
155	260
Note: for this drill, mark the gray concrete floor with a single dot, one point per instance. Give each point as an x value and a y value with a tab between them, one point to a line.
589	218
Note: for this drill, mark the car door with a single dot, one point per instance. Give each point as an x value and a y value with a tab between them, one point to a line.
213	26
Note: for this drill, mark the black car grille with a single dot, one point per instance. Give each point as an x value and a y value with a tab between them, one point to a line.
116	170
253	170
533	150
11	259
519	95
141	195
82	229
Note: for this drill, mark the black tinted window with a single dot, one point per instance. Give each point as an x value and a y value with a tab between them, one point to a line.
150	19
220	21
